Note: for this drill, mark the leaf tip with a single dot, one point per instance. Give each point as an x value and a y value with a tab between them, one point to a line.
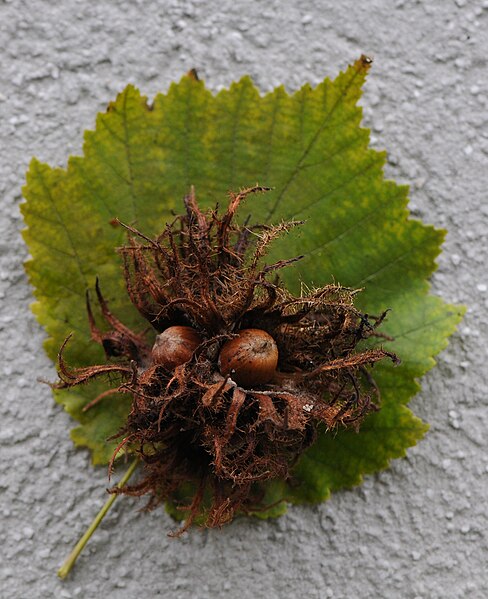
129	93
192	74
363	63
35	166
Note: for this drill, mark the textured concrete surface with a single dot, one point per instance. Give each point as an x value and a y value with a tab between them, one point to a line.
417	530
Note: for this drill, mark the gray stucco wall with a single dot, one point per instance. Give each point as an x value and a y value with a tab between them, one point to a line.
417	530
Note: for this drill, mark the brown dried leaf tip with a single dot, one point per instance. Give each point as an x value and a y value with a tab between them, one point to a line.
242	372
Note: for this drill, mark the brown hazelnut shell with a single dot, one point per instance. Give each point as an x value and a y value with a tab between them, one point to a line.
250	359
175	346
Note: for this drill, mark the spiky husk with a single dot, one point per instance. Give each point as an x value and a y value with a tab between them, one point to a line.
194	427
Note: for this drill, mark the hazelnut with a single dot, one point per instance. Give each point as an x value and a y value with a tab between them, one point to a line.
175	346
250	358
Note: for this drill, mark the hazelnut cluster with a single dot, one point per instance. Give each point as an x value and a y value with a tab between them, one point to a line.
230	392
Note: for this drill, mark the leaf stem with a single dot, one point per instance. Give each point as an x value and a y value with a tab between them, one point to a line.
73	556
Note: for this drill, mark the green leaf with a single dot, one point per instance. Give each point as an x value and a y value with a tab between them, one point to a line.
309	146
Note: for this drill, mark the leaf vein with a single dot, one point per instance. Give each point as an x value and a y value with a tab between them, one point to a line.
310	145
49	196
129	159
346	183
344	233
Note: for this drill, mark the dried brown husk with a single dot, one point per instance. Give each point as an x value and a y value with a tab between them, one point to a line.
195	428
